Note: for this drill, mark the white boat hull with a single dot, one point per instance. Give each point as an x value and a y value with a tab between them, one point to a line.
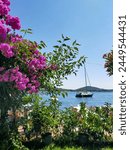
84	94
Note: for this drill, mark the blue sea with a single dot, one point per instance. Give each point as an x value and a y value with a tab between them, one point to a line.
98	99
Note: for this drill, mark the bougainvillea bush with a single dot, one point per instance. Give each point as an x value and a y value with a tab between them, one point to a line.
24	69
21	63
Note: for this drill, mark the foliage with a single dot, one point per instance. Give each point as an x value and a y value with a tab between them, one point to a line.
61	148
16	144
41	118
69	124
63	60
83	114
109	62
9	100
94	123
44	116
100	121
54	147
65	126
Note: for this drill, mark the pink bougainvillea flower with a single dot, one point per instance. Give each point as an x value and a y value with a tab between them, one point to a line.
2	68
33	90
4	9
14	22
3	31
36	52
6	2
24	63
15	38
37	63
6	50
6	76
12	78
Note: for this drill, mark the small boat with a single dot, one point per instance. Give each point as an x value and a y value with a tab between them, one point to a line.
86	93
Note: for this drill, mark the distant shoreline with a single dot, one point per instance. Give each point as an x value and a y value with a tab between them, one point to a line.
69	90
88	88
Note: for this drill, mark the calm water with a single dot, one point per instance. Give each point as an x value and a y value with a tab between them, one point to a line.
98	99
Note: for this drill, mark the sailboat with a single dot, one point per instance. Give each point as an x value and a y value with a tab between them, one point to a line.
86	93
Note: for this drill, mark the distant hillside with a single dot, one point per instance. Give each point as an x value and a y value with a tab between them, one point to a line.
92	88
71	90
89	88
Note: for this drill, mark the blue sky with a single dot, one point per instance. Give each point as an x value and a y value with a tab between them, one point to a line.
87	21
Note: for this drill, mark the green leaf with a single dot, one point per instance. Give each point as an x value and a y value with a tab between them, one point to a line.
59	41
56	46
29	32
63	95
29	29
78	44
63	44
76	48
63	37
43	44
22	30
66	39
74	43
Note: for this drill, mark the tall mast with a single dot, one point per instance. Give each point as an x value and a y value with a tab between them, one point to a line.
85	74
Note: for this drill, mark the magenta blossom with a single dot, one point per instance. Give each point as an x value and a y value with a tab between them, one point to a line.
37	63
6	50
14	75
3	31
2	68
4	9
36	52
22	64
6	2
6	76
14	22
15	38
